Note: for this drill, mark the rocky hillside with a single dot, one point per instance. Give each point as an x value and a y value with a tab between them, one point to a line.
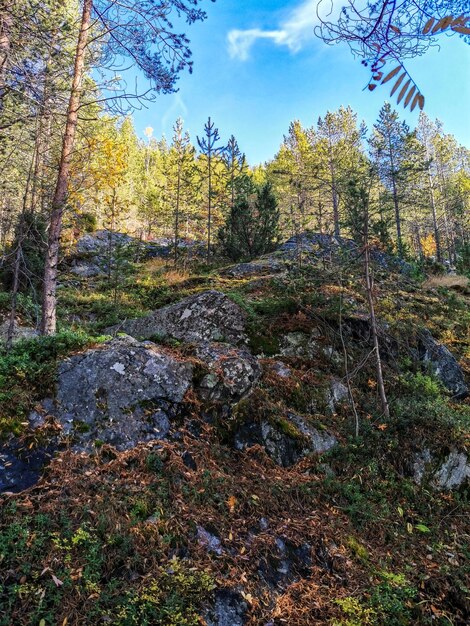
206	445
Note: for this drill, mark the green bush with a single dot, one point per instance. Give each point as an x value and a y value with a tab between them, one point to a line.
27	372
172	599
421	385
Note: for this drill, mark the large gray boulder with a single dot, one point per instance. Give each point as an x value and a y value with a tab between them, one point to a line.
206	316
286	440
100	241
443	364
121	393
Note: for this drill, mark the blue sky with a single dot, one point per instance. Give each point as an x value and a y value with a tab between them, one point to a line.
258	66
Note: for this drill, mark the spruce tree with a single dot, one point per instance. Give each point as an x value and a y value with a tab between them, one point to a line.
252	228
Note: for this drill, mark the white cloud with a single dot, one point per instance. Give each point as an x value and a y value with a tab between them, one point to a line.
293	32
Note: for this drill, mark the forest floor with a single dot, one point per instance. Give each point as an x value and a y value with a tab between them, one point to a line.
112	537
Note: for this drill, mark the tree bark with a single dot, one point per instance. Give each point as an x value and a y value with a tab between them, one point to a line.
395	200
6	23
49	303
434	217
177	212
373	320
209	211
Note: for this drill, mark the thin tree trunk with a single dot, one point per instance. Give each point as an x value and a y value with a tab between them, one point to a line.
434	217
335	202
49	304
345	358
395	201
177	212
17	263
373	325
6	22
373	320
209	212
334	191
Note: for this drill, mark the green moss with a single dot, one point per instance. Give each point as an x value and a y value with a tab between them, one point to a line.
263	343
174	598
288	428
357	549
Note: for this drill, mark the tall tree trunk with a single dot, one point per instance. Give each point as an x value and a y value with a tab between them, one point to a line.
395	200
334	193
209	212
373	320
177	212
334	189
17	263
49	303
434	217
6	22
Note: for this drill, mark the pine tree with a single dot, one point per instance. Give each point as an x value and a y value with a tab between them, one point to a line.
160	66
210	150
252	227
182	173
340	142
388	143
235	164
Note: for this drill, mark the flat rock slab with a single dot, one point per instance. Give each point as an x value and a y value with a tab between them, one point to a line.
206	316
264	266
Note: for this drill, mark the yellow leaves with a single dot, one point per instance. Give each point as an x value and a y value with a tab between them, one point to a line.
231	503
409	92
428	246
409	96
462	30
418	99
247	597
442	24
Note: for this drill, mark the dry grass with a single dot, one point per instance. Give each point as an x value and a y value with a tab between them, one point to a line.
448	281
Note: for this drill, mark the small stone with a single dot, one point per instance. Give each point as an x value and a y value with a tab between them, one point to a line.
454	472
209	541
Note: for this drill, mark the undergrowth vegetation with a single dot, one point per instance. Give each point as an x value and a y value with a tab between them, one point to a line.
113	537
